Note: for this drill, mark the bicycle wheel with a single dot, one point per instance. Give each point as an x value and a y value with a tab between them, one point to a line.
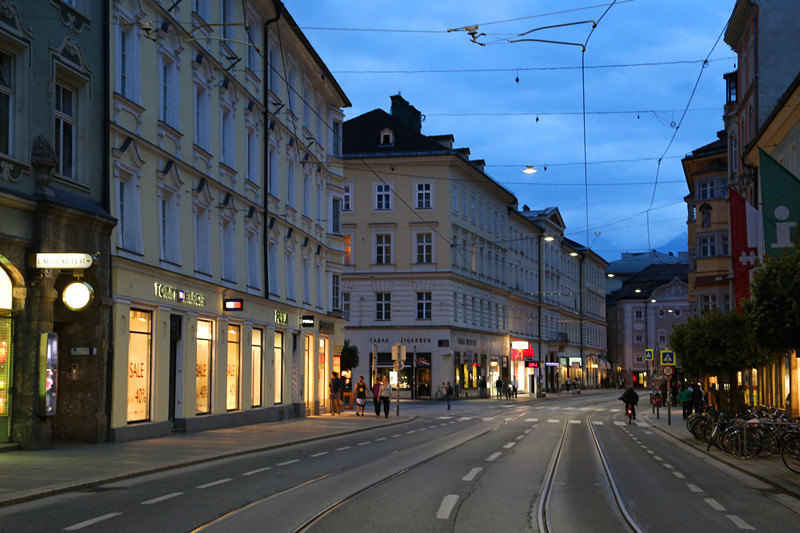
791	453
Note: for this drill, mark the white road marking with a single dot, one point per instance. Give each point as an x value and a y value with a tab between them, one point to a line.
289	462
788	501
715	504
494	456
464	418
413	431
447	505
82	525
472	473
651	452
489	418
364	443
444	417
569	408
214	483
534	426
432	427
258	470
396	435
422	429
640	424
597	422
376	440
618	423
614	410
509	445
657	458
574	421
520	437
162	498
666	465
741	524
343	448
320	454
678	475
531	420
527	431
694	488
552	421
508	419
648	432
586	409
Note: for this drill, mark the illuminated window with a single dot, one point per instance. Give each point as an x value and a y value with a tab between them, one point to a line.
257	366
205	365
278	366
232	367
140	345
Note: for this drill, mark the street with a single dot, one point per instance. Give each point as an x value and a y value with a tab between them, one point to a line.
565	464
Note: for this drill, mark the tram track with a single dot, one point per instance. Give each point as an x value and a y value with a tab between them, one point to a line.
543	519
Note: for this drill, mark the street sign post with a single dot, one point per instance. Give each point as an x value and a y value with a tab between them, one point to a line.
667	358
668	371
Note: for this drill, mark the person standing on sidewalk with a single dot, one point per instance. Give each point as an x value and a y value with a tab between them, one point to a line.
376	396
361	396
448	393
335	388
386	396
514	386
697	398
685	397
499	385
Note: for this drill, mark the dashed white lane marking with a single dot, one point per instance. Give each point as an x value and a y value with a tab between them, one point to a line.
376	440
472	473
586	409
668	466
413	431
534	426
320	454
552	421
489	418
448	502
364	443
741	524
396	435
614	410
464	418
618	423
641	424
509	445
444	417
788	501
520	437
289	462
531	420
494	456
569	408
508	419
715	504
214	483
527	431
651	452
678	475
422	429
597	422
82	525
694	488
657	458
162	498
259	470
343	448
432	427
648	432
574	421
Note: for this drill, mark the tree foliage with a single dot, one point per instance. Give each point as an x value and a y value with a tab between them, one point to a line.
716	343
773	313
349	356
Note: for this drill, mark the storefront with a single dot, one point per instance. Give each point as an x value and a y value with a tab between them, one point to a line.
524	365
6	354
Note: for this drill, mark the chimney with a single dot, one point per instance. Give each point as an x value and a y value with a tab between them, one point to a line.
406	113
525	207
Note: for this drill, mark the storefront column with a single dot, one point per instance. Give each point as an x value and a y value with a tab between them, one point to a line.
160	374
220	383
246	368
269	361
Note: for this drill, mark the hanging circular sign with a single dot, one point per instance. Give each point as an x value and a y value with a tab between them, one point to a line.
77	295
667	370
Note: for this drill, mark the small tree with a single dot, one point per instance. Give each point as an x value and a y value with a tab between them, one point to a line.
349	356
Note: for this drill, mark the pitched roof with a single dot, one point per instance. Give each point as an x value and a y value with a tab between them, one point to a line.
362	136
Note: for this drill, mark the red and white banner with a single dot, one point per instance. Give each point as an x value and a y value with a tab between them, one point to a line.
746	243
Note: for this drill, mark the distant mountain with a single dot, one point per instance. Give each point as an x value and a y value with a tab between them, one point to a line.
680	243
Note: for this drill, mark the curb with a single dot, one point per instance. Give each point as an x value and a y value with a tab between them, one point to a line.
52	491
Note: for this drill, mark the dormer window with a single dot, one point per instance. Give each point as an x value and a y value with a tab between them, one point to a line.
387	137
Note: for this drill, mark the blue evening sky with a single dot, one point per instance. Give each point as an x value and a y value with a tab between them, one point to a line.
471	91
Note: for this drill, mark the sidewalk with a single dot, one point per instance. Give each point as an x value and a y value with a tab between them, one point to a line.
769	470
67	466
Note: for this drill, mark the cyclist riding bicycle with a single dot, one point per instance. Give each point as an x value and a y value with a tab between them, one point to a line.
631	399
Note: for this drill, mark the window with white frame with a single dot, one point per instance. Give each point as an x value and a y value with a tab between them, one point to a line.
347	197
336	138
383	248
496	226
202	115
273	64
383	306
227	135
320	120
307	107
455	251
335	303
455	198
319	291
253	258
305	269
346	305
706	190
424	195
65	129
291	291
336	215
386	137
201	7
424	248
127	60
6	102
472	207
129	230
307	194
168	93
290	90
637	313
480	214
290	183
252	42
272	261
464	204
170	225
383	197
202	239
320	205
228	247
424	305
252	155
227	18
273	179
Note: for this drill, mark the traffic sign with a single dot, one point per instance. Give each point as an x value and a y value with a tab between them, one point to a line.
648	354
668	371
667	358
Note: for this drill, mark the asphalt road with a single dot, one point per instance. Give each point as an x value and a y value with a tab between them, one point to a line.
484	466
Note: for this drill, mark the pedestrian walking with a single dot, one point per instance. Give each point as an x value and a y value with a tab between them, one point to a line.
376	396
335	388
386	396
514	386
713	396
697	398
361	396
566	384
483	387
685	397
448	393
499	385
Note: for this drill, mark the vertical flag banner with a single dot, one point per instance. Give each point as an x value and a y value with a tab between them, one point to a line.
780	197
746	244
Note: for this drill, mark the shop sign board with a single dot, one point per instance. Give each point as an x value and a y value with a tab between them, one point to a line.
168	292
233	304
326	328
307	321
281	318
65	261
444	343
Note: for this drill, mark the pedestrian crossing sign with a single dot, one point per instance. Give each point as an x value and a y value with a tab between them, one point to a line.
667	358
648	354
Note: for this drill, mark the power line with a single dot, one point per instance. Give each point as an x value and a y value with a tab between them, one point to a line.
556	113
